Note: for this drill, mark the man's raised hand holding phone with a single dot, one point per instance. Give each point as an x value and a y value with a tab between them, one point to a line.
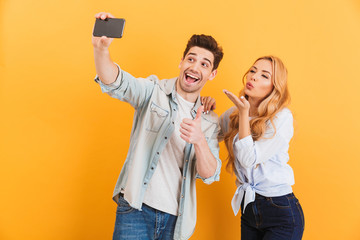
106	70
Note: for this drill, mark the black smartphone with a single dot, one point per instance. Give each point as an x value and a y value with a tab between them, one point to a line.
110	27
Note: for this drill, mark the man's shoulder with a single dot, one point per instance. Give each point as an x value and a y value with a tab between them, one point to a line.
167	85
211	116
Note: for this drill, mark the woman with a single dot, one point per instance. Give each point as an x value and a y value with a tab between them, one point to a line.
257	132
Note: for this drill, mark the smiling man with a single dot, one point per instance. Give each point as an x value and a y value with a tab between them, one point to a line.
172	142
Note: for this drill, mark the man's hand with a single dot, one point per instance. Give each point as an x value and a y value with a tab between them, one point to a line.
105	68
191	129
102	43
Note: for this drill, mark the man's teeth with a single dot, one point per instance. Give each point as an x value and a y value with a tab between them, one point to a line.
192	76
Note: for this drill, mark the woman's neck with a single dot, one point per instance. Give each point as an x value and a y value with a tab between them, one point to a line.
254	104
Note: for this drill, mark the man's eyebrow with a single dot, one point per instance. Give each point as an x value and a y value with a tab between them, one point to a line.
206	59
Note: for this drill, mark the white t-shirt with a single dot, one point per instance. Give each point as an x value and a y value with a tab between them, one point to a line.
164	188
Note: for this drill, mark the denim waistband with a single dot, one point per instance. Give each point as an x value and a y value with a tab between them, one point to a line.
258	196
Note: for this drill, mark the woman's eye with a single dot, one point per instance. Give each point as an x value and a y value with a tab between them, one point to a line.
252	71
265	76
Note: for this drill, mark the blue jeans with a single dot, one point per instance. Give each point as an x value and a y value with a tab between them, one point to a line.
132	224
273	218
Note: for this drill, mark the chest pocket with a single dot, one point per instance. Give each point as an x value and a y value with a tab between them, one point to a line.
157	118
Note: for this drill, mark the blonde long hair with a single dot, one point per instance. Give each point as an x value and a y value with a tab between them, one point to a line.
268	108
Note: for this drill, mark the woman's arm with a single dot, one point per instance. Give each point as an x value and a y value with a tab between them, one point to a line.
249	153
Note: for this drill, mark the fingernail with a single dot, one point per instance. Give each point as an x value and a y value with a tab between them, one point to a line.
207	112
242	97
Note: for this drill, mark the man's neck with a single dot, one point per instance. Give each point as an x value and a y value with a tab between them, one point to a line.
190	97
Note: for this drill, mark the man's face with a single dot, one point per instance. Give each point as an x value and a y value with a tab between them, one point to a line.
195	69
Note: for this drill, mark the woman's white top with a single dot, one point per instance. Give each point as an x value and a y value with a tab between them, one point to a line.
262	166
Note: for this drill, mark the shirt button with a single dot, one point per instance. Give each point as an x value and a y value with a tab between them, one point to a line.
184	177
152	168
186	160
173	123
144	183
165	137
174	109
157	153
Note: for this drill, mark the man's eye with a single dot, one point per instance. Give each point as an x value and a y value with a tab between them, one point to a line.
205	65
190	59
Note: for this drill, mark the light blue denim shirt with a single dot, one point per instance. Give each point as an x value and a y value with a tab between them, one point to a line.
262	166
156	108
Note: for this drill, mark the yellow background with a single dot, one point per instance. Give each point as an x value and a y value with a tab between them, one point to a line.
63	142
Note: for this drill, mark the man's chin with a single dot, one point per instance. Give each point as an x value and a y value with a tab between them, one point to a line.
189	89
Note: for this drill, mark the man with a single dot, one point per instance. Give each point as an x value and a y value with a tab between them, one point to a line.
172	142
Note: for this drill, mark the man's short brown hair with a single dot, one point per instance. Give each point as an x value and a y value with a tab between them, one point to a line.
207	42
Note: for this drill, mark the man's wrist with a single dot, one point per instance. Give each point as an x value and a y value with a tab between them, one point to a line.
201	141
101	50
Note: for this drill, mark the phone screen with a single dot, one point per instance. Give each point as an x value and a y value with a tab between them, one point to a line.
110	27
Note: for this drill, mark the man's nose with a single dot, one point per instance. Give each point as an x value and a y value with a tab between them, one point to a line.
196	67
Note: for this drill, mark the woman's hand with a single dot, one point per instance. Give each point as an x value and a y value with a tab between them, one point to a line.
241	103
209	103
244	107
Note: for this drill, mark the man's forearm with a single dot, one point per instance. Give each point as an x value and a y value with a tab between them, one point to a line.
106	70
205	161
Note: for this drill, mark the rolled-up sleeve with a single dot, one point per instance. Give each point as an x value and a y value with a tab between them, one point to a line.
135	91
214	148
249	152
105	88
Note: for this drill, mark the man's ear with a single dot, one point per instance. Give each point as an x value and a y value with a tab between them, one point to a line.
213	74
182	59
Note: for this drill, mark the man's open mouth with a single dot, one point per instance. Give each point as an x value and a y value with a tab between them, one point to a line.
191	78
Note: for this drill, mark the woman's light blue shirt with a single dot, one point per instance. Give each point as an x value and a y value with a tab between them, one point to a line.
262	166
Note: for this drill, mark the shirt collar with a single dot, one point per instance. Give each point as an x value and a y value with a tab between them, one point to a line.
169	87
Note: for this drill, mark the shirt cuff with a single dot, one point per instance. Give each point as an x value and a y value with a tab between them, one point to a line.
114	85
244	142
215	177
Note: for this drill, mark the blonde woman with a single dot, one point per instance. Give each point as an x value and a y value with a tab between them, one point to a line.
257	132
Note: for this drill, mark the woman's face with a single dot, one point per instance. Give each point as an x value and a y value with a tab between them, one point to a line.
259	83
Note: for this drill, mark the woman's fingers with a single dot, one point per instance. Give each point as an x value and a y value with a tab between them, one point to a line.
212	103
245	102
238	103
209	103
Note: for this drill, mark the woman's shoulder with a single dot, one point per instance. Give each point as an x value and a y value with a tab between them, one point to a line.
227	113
284	113
284	121
225	119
